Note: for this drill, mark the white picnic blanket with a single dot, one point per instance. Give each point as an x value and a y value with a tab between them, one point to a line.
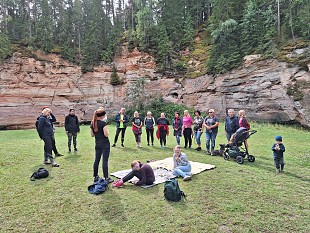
163	170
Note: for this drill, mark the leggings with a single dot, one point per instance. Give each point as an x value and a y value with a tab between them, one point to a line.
105	153
137	174
188	136
150	133
118	130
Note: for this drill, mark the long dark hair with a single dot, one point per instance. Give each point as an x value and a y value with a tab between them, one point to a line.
98	113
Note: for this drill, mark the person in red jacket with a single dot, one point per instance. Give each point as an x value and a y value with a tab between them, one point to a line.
163	129
143	171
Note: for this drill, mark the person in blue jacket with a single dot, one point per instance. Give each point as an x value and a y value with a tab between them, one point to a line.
121	120
46	133
278	149
231	124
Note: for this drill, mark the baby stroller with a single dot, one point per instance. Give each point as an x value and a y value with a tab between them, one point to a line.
235	149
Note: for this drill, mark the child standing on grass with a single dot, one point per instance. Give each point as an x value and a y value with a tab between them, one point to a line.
278	150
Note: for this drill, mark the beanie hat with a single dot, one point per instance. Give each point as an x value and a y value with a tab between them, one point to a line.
279	138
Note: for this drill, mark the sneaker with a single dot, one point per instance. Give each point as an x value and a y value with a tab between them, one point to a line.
109	180
46	162
118	183
152	144
148	144
139	146
277	170
114	145
185	147
199	149
55	165
208	152
122	145
69	150
161	146
75	149
58	155
96	178
186	178
189	147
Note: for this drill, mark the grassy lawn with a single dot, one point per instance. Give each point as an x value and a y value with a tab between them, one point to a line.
230	198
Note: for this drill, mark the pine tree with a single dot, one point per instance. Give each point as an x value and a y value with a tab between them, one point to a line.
5	48
115	80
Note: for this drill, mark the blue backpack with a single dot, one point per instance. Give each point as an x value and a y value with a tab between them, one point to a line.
98	187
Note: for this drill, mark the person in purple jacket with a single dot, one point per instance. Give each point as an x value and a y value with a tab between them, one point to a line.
143	171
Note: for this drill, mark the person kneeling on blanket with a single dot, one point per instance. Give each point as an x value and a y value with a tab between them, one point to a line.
182	166
143	172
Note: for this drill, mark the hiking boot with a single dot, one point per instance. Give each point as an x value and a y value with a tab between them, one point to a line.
208	152
187	178
118	183
109	180
58	155
282	168
114	145
96	178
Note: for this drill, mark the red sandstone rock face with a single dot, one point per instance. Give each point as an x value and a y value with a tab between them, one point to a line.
259	87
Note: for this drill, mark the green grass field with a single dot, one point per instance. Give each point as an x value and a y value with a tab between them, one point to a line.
230	198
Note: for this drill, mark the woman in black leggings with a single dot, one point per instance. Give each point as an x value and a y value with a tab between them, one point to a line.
149	124
99	130
163	129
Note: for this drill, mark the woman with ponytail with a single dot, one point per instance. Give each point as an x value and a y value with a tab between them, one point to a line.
99	130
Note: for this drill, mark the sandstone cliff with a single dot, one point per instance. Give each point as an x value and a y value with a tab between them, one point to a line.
259	87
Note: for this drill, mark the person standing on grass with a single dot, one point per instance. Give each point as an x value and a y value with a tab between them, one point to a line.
187	129
143	171
149	123
181	165
198	126
163	129
99	130
46	132
231	124
72	128
137	128
52	119
121	120
278	149
211	124
177	125
244	123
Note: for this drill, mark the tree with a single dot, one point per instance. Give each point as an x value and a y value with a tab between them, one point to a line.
115	80
5	48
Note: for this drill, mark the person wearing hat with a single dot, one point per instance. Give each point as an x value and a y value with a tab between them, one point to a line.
278	149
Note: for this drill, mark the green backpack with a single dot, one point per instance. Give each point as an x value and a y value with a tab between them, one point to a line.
172	191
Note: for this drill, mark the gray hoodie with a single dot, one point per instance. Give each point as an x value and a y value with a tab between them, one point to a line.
182	162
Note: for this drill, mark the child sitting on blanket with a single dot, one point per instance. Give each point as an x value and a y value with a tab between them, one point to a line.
143	172
182	166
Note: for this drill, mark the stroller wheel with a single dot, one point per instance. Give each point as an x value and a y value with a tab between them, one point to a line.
251	158
239	159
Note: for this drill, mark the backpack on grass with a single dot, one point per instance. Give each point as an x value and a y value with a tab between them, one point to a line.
172	191
41	173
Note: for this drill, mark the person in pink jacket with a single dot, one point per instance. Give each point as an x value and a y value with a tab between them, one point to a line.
187	129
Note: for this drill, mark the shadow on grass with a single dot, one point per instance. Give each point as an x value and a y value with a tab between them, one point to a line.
261	164
73	156
112	208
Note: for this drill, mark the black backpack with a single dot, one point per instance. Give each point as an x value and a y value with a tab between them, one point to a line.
172	191
41	173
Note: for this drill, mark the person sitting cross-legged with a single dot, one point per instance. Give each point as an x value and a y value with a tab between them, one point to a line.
182	166
142	171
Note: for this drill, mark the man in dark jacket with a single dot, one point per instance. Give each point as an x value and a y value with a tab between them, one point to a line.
72	127
231	124
121	120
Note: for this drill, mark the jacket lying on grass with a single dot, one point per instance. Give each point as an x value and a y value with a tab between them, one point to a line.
98	187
